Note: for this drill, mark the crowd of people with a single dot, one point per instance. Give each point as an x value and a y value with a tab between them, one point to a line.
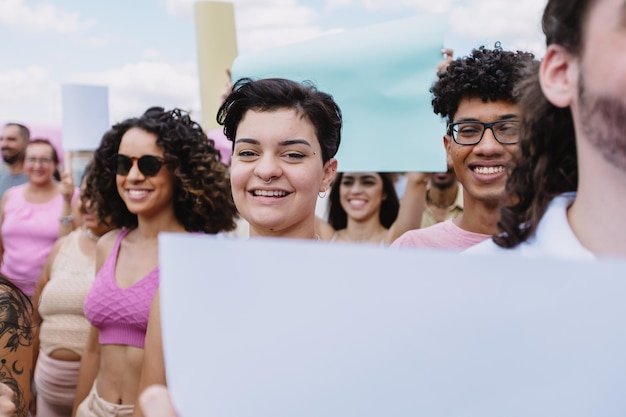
536	157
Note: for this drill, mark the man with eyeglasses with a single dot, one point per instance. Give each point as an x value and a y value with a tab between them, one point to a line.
477	96
13	141
569	187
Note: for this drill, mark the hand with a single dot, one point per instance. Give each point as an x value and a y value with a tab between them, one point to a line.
418	178
447	58
7	407
66	186
155	401
228	87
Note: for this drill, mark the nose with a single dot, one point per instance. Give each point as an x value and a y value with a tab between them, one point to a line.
135	174
488	145
355	187
267	167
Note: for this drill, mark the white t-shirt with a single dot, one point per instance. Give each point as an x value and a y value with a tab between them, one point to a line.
553	238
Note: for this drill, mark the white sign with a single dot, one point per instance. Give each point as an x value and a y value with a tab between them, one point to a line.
284	328
85	116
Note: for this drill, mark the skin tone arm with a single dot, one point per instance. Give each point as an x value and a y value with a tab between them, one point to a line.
153	367
89	365
412	206
155	401
90	361
7	407
67	190
41	283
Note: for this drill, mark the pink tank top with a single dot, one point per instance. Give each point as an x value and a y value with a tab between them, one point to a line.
120	314
28	234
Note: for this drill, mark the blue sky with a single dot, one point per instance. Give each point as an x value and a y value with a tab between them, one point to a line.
144	50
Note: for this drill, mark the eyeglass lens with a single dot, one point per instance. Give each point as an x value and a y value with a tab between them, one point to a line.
505	131
149	165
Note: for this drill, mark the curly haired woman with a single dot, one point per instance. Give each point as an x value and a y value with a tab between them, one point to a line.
152	174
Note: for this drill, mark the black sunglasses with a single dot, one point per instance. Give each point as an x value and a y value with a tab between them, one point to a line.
149	165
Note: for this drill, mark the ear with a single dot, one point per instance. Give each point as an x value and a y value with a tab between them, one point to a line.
558	76
330	170
447	143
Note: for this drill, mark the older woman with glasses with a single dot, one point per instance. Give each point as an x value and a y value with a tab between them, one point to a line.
153	174
32	217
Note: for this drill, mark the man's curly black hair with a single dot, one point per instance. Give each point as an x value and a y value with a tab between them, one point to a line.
202	195
488	74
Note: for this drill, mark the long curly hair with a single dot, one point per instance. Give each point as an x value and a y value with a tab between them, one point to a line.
337	216
548	162
202	196
488	74
277	93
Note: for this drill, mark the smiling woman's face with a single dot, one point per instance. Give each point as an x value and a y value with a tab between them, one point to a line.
277	172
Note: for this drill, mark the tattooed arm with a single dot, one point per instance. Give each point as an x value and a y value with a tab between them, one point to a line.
16	345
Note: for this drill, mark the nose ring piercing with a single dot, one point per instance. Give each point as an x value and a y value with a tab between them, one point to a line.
268	180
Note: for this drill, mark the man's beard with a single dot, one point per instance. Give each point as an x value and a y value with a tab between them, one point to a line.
604	124
11	159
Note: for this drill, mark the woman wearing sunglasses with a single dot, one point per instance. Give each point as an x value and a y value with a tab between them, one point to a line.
153	174
285	136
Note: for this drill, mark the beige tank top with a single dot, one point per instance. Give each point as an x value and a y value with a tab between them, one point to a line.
61	304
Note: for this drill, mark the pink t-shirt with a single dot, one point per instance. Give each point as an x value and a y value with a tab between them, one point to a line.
444	235
28	234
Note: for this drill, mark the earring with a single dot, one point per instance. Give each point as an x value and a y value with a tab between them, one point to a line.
322	194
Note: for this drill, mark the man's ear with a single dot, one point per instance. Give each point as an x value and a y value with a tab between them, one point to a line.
447	144
558	76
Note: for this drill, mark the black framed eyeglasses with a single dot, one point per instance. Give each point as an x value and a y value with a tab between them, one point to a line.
149	165
470	133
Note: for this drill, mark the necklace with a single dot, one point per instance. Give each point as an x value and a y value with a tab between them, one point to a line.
92	235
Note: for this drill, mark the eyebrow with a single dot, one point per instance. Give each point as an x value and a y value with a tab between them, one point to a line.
283	143
366	177
508	116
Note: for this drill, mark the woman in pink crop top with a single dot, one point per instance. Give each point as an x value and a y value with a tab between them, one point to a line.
152	174
30	216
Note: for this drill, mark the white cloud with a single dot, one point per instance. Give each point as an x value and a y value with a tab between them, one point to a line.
42	17
30	95
517	23
262	24
151	54
135	87
392	5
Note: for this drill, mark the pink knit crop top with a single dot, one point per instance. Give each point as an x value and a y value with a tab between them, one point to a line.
120	314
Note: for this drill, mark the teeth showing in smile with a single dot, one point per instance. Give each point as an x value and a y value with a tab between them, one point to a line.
356	203
137	193
489	170
269	193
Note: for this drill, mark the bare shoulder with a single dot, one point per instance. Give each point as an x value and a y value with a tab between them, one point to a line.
105	245
107	240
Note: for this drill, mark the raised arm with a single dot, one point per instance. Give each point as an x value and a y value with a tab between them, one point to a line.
412	206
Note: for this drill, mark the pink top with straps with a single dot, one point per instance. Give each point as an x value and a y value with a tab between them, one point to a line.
120	314
28	234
